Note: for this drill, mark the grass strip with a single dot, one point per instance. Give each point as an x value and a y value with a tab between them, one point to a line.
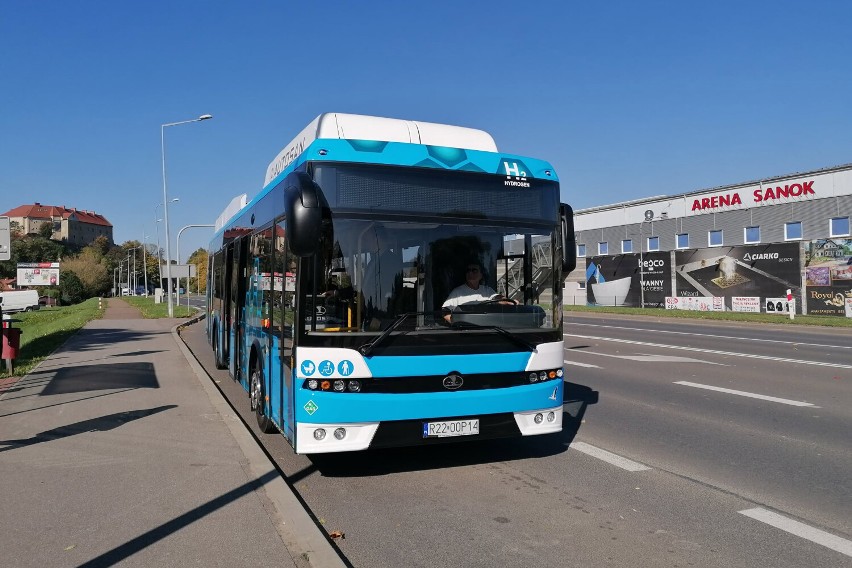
45	330
152	310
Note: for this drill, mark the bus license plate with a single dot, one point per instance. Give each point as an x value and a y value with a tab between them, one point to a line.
451	428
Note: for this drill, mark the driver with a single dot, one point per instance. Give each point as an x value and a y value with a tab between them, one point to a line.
472	291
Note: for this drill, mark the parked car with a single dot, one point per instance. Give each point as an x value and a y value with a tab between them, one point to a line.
46	301
19	301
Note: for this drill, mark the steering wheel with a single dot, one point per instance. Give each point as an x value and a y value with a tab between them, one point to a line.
497	301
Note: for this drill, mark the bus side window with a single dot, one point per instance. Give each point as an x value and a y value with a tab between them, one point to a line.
262	249
285	286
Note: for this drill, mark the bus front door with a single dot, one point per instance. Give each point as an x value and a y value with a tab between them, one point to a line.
236	312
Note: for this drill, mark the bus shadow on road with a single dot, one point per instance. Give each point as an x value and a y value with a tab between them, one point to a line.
576	399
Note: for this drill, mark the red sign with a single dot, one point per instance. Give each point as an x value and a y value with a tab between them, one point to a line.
758	196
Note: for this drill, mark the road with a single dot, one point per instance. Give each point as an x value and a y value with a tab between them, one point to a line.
686	443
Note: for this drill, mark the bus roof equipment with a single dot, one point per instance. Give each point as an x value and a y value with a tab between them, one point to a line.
342	126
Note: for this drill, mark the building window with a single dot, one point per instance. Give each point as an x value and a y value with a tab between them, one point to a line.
793	231
582	284
581	251
603	248
714	238
839	227
653	244
682	241
627	246
751	235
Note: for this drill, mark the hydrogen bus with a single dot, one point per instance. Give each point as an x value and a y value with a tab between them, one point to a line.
326	291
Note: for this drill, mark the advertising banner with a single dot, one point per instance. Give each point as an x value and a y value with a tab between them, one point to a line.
618	281
745	304
828	276
780	306
743	271
695	303
38	273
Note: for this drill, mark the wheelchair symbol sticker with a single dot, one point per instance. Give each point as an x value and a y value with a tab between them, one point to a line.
326	368
345	367
308	368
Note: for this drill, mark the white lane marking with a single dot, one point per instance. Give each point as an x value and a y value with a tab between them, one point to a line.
802	530
608	457
645	358
748	394
578	364
713	351
715	336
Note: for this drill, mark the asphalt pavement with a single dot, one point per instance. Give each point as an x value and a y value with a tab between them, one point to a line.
119	450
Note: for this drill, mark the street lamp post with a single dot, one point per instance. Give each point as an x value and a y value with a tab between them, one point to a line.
166	204
145	261
178	258
157	220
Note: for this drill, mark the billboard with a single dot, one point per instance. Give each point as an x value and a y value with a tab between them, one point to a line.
617	280
38	274
828	276
742	271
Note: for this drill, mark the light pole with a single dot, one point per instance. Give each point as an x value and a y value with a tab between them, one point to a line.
157	220
145	261
178	257
166	204
649	218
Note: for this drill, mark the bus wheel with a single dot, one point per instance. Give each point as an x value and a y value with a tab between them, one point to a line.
217	355
257	396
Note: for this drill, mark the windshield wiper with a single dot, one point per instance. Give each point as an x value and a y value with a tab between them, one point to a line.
511	337
367	348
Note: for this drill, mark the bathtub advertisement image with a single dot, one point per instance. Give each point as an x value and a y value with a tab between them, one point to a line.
617	281
757	271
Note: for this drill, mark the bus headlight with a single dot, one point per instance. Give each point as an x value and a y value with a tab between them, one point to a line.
354	386
339	385
340	433
319	434
313	384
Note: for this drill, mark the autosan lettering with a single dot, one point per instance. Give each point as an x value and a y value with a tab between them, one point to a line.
789	190
288	157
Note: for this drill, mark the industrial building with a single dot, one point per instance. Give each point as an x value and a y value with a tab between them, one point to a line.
791	229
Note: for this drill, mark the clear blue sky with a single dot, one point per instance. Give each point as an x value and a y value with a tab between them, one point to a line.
627	99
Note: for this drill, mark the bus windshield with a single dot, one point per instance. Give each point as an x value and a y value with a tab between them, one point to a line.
374	271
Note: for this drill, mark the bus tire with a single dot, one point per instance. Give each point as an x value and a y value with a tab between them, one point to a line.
257	395
217	355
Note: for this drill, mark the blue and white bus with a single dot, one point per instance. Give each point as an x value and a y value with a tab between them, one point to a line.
326	290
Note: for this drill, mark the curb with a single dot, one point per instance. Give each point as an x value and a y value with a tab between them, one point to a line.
307	544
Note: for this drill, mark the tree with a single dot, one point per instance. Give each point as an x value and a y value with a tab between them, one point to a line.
91	268
46	230
199	259
30	249
70	288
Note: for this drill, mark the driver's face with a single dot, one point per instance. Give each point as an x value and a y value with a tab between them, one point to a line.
473	276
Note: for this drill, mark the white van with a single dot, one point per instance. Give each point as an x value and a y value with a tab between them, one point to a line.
19	301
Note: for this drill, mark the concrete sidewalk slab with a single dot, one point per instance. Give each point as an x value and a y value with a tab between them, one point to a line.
114	452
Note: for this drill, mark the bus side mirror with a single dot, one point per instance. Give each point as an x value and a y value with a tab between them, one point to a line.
569	241
303	210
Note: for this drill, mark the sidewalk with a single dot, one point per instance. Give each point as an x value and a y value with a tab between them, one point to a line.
118	449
